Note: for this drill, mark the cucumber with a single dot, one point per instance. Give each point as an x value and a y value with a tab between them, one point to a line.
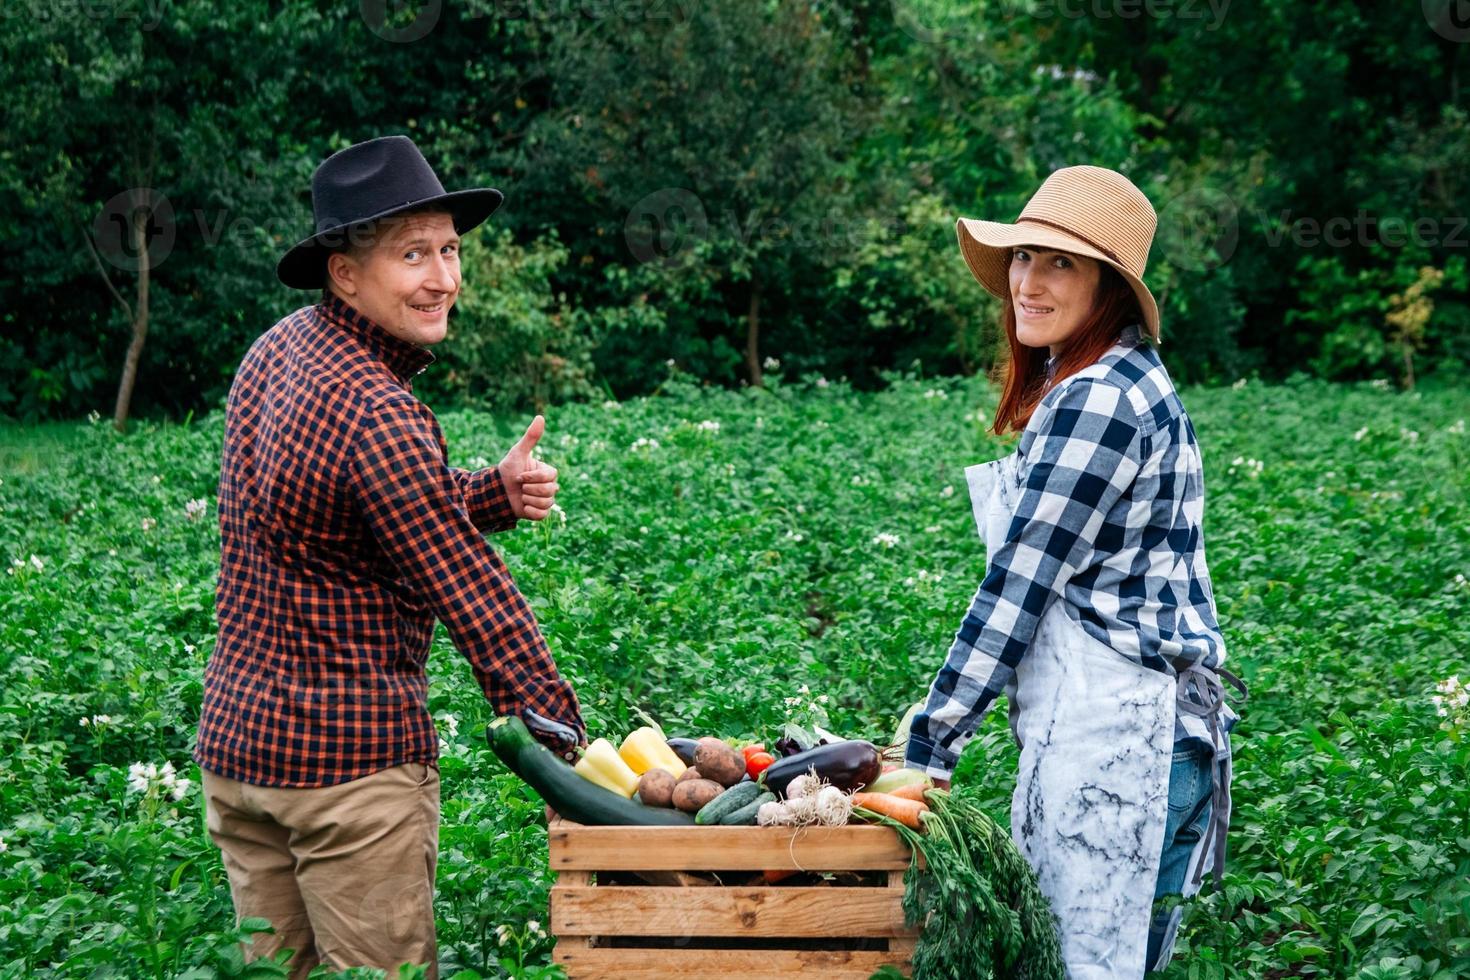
746	814
727	802
568	793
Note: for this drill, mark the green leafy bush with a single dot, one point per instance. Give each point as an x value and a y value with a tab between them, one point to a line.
721	549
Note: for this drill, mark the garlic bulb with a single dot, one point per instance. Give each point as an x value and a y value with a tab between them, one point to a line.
803	810
773	815
833	807
804	785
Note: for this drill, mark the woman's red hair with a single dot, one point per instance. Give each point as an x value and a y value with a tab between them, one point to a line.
1023	373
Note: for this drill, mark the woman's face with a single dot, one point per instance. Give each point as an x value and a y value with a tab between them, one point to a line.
1052	292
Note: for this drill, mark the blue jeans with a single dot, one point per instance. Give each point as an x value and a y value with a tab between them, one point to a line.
1190	806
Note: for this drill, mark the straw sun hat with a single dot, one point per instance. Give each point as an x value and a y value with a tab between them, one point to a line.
1084	210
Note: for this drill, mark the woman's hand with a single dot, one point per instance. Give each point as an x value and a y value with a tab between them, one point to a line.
941	784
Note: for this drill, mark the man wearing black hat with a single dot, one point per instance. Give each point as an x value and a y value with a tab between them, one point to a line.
344	535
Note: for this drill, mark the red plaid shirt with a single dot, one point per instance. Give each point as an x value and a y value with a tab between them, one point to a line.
344	535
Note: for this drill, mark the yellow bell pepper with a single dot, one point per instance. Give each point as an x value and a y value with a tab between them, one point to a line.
644	749
602	765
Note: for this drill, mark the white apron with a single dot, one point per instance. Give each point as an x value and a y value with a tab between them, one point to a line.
1096	732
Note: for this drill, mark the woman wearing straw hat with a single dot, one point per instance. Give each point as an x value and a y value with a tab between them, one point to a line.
1096	615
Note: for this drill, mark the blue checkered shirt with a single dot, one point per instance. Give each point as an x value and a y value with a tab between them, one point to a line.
1108	522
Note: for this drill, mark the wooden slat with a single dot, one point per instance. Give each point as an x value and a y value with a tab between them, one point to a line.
852	848
612	910
719	964
901	951
572	879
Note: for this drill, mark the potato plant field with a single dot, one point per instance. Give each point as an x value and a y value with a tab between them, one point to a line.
721	560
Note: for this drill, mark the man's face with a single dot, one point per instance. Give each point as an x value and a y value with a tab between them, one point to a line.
406	279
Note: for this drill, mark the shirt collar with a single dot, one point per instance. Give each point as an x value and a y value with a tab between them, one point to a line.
404	358
1129	336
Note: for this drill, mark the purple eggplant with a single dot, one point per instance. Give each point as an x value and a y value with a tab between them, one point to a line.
848	765
789	745
561	739
684	749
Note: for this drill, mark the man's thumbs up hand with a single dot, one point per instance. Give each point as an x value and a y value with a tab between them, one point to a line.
533	435
530	483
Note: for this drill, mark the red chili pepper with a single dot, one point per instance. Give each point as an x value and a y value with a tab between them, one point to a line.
757	763
750	750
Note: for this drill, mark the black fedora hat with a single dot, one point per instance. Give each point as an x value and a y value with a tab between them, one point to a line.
368	181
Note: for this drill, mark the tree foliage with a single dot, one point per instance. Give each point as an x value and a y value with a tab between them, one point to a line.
727	182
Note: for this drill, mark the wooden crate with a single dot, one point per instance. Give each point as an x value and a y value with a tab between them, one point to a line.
650	903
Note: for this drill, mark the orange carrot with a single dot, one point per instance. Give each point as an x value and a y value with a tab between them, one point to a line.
906	812
913	791
773	875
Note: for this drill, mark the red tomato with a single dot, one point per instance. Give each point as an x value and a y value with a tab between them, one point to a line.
751	750
757	763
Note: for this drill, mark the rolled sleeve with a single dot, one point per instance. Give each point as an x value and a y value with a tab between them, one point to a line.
1084	458
416	511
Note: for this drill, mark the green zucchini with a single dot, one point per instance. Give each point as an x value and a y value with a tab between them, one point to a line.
727	802
747	814
568	793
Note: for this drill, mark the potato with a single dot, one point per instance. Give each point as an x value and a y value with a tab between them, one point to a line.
688	774
692	794
719	762
656	788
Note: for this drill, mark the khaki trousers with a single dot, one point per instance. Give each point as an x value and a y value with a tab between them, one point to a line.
345	873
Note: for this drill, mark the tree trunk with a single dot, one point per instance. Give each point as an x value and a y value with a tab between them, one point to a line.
141	217
753	336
